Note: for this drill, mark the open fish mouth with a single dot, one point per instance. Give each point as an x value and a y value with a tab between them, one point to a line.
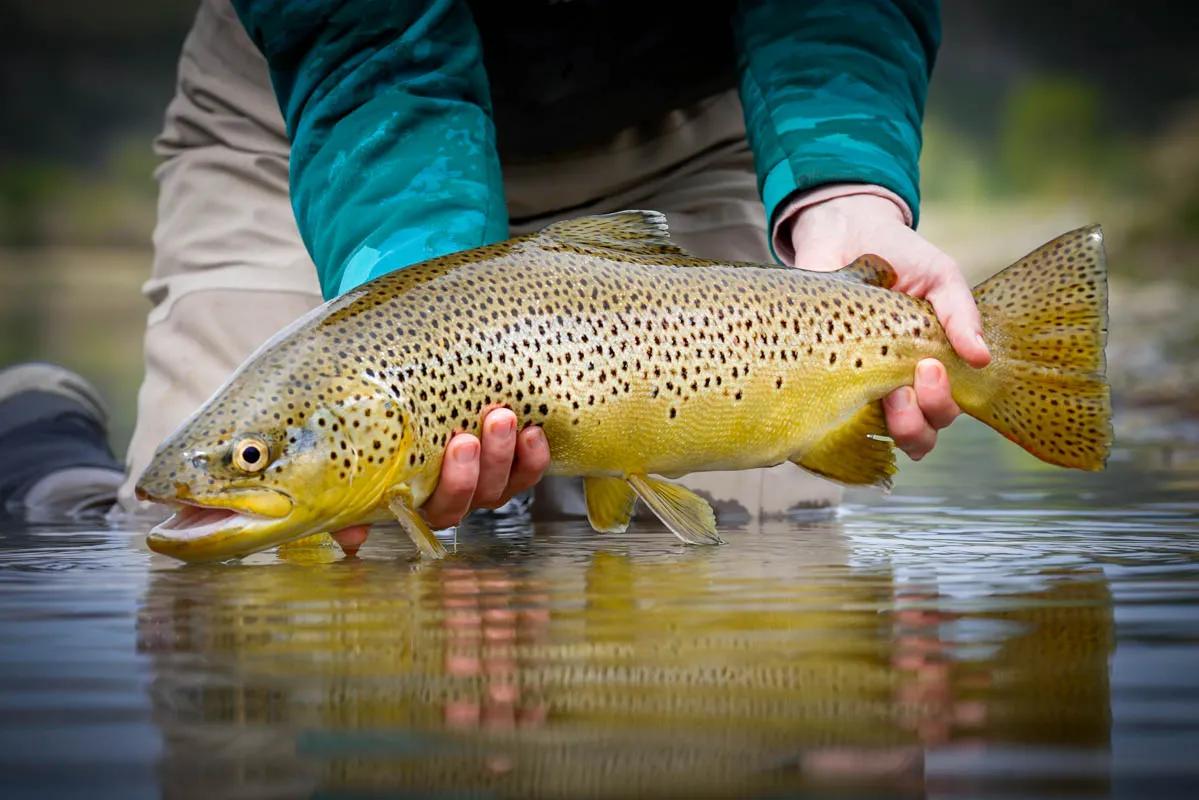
198	532
195	521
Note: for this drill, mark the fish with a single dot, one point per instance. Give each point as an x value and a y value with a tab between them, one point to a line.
640	361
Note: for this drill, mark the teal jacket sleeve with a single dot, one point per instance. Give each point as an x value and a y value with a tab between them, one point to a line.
834	92
393	156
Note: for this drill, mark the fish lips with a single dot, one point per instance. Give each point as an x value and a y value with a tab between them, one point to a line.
219	527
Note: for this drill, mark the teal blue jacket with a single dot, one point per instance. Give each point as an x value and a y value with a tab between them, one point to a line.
393	155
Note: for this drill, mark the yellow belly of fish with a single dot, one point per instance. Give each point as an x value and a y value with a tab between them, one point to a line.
713	430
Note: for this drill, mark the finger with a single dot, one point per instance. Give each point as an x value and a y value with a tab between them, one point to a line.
459	476
933	395
926	271
532	460
907	425
351	538
819	253
498	448
952	300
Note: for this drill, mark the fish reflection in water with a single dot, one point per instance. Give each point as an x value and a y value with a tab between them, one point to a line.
597	673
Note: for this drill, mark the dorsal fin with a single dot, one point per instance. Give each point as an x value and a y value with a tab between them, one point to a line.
641	232
869	269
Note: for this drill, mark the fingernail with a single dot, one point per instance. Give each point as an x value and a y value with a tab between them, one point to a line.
466	453
900	399
506	426
927	372
978	337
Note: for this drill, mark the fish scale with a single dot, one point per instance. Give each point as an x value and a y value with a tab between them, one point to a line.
638	360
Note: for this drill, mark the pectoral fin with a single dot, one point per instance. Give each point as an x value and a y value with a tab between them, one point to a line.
610	503
857	453
688	515
417	529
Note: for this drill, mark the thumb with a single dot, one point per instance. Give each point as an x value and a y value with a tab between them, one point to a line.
925	271
818	252
956	310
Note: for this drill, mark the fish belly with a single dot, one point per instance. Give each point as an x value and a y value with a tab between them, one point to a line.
711	431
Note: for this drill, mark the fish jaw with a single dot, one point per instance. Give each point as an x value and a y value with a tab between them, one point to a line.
225	526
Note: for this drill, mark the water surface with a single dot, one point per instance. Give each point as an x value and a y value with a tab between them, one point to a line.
994	627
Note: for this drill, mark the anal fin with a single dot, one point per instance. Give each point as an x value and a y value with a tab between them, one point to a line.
686	514
417	529
857	452
610	503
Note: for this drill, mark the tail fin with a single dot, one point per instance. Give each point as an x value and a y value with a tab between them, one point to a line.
1045	320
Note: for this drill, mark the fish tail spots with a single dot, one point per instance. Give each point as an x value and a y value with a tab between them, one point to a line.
1045	319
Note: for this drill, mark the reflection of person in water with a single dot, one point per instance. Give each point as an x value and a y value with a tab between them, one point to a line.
601	673
488	615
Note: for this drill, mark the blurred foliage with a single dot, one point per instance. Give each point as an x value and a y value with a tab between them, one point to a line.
952	167
1162	238
1056	143
1173	166
1050	140
45	202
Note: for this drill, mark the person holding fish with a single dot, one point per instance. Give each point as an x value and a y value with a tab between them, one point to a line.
312	147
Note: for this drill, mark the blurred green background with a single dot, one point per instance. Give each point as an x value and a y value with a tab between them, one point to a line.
1040	119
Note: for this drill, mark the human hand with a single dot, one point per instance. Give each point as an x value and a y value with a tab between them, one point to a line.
487	473
831	234
476	473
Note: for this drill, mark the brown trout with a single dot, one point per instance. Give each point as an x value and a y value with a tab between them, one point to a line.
638	360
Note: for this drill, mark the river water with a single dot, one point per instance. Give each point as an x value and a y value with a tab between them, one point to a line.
992	628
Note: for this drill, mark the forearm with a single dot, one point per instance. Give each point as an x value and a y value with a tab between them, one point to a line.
834	93
393	156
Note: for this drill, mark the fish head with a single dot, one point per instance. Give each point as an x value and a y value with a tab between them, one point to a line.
257	467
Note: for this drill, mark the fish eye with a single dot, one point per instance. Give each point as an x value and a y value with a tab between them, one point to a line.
250	454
